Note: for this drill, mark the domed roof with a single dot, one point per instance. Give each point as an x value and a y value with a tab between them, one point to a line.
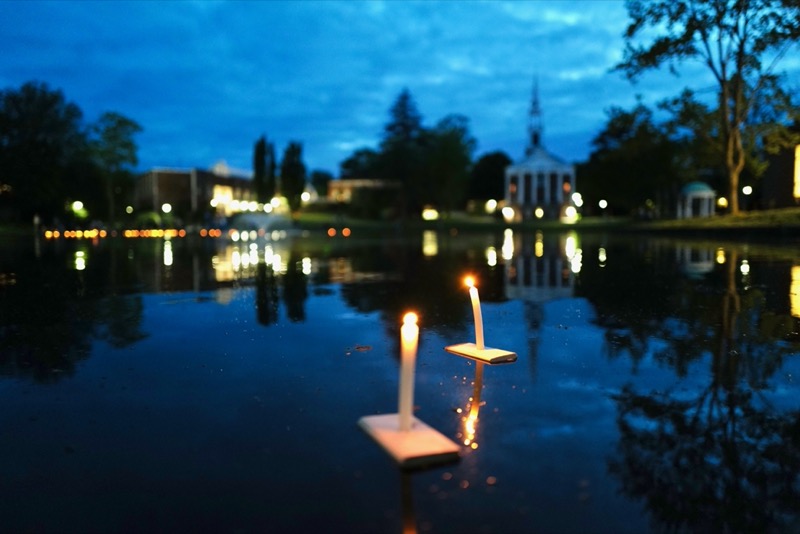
697	188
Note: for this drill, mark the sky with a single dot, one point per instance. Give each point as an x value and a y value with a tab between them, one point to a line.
205	79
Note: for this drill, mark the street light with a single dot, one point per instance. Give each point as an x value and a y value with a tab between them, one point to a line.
166	207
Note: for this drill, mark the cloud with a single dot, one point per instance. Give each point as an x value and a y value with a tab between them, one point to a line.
205	79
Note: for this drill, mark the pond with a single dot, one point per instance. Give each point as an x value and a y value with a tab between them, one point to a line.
211	385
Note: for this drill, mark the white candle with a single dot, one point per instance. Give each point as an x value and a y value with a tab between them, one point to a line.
409	334
476	312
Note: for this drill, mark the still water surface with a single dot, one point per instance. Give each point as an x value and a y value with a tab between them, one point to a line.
182	385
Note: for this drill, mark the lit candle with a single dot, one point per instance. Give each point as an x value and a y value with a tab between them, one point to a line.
409	334
476	311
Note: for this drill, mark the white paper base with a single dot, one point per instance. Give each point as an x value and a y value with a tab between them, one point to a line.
421	446
487	355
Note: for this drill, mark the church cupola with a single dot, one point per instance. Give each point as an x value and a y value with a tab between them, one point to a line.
534	122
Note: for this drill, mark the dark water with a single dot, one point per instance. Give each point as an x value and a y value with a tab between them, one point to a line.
206	386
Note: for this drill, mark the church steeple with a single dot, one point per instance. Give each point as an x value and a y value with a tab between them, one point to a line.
534	121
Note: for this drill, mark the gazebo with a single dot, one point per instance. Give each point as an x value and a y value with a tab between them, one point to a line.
696	200
541	182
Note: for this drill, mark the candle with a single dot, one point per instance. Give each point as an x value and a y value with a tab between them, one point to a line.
476	311
409	334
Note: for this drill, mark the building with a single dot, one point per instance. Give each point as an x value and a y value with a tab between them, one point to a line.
192	193
342	190
696	199
541	184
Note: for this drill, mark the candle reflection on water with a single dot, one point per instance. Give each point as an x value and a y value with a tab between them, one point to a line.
471	419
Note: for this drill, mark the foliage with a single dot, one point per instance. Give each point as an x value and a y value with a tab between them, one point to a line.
113	149
293	175
260	170
431	165
363	163
264	182
632	165
401	152
448	157
487	178
320	181
733	39
42	146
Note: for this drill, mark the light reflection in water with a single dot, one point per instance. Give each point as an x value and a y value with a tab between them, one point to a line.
80	260
507	250
491	257
470	421
430	243
168	259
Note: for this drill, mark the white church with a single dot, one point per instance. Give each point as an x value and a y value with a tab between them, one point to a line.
541	184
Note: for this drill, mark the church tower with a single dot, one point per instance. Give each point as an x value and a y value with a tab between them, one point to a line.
541	184
534	122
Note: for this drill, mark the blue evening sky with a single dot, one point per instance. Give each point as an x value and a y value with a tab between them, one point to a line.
206	78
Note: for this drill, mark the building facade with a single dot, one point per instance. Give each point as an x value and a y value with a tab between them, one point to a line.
541	184
192	193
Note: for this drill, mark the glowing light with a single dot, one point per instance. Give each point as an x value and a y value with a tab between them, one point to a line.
331	232
603	204
48	234
538	246
508	214
491	206
77	205
577	199
745	267
720	256
276	202
305	196
234	235
166	207
601	257
722	202
570	215
747	190
346	232
129	209
538	213
267	208
430	214
306	266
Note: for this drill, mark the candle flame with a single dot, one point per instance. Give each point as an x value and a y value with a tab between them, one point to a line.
410	318
469	281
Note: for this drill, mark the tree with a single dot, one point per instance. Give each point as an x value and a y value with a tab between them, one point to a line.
401	151
487	179
632	164
448	158
41	143
114	149
260	170
320	181
732	38
293	175
363	163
